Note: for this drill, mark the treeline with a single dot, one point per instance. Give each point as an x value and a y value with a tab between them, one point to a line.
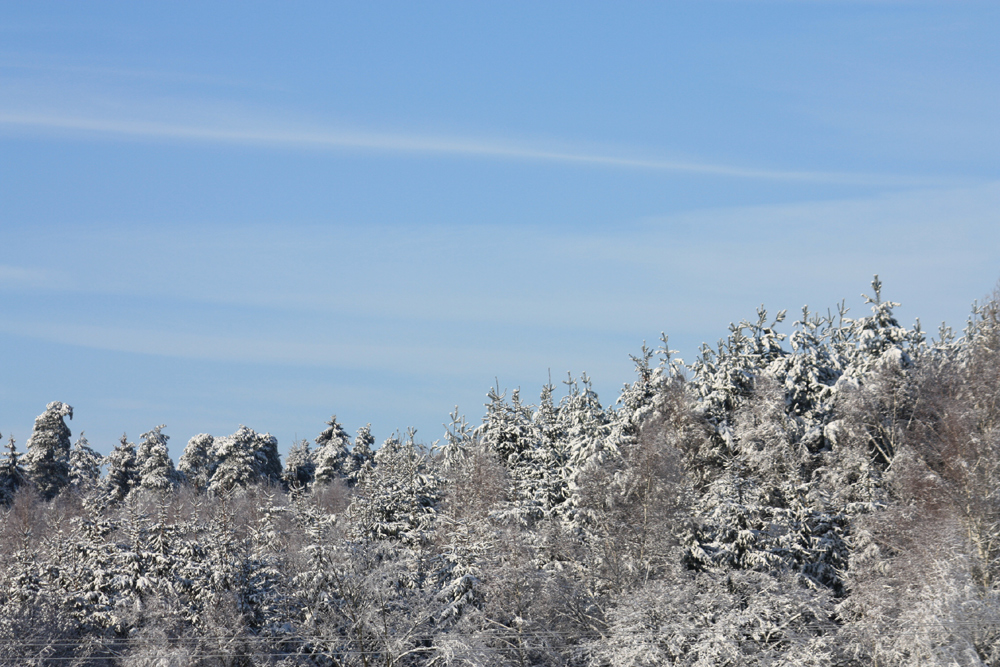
830	497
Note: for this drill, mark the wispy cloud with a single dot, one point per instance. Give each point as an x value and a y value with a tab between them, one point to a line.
673	271
19	276
125	75
441	359
323	139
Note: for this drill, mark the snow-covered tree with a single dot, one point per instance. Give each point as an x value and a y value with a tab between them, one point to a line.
507	429
245	458
586	424
739	618
47	461
399	498
156	469
12	474
363	455
509	433
197	461
458	439
84	464
300	469
551	455
638	400
332	454
122	471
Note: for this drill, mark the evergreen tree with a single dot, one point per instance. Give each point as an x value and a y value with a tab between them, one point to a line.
878	389
47	461
458	437
333	453
508	432
197	462
156	469
245	458
399	499
551	454
879	339
299	467
507	428
364	457
122	471
84	464
12	474
586	425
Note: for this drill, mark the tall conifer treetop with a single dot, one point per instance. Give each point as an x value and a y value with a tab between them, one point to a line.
47	460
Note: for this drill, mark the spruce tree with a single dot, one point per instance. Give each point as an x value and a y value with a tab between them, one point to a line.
332	454
245	458
299	467
364	457
197	462
122	472
156	469
399	499
47	460
84	464
11	473
458	437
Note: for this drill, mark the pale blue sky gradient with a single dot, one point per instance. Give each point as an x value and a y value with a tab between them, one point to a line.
269	213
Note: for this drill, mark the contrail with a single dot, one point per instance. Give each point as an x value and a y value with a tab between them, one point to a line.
387	142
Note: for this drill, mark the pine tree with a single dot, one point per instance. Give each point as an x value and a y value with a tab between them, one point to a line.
877	391
551	454
508	432
879	339
156	469
507	428
299	467
122	472
197	462
245	458
399	499
333	453
458	437
12	474
586	425
47	461
84	464
364	457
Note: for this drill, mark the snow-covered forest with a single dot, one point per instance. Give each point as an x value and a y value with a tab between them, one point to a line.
817	492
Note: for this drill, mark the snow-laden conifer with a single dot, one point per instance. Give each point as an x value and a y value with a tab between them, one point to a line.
551	455
47	461
506	429
509	433
458	439
197	462
12	474
300	470
878	339
122	471
399	499
586	424
245	458
362	454
84	464
156	469
332	454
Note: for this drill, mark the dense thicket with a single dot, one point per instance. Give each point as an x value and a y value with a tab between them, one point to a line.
827	498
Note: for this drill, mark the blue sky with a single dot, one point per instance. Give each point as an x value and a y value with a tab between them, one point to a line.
268	213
